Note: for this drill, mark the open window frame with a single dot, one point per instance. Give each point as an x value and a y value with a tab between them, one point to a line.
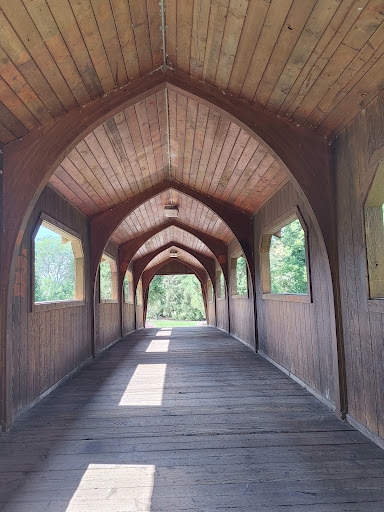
139	299
374	240
220	290
210	291
265	245
114	299
68	235
130	298
234	291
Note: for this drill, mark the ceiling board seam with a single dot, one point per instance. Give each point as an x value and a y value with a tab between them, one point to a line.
162	9
328	61
277	40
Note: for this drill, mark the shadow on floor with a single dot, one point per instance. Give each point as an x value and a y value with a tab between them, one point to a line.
186	419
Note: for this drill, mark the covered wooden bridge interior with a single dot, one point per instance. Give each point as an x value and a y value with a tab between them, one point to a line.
239	116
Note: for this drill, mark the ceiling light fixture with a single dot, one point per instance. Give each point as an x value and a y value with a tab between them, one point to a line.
173	253
171	210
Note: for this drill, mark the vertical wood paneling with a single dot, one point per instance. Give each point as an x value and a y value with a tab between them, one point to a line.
128	317
139	316
107	314
211	320
363	326
241	309
47	345
296	335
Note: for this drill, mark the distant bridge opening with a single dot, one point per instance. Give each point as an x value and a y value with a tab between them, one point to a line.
175	300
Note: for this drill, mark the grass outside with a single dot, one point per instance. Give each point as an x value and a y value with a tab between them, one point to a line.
173	323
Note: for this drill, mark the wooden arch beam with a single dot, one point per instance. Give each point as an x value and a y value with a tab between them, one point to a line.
130	248
104	224
149	274
30	162
140	264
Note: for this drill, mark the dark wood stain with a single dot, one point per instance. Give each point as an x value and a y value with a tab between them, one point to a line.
229	430
297	335
48	344
241	309
356	153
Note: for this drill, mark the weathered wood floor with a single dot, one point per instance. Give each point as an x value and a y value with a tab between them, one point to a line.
186	420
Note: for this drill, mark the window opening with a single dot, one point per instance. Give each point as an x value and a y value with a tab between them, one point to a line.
58	264
221	285
175	300
139	293
210	291
241	276
374	235
128	287
284	258
108	278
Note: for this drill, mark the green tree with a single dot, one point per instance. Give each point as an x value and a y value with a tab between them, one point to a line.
241	276
287	260
176	296
222	285
54	269
105	280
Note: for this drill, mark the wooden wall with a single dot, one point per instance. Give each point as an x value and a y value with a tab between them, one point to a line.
297	335
222	309
47	344
211	320
107	314
363	320
241	309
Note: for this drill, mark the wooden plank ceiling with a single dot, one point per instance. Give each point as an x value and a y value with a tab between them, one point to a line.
134	151
169	235
317	62
191	213
182	256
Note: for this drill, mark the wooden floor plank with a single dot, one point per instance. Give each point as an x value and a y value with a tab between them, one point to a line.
206	426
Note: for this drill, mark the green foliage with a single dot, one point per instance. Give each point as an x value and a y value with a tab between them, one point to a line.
174	323
287	260
126	288
222	285
178	297
241	276
54	269
139	299
105	280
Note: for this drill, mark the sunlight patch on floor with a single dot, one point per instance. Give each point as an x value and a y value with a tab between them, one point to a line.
113	488
164	332
146	386
158	346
